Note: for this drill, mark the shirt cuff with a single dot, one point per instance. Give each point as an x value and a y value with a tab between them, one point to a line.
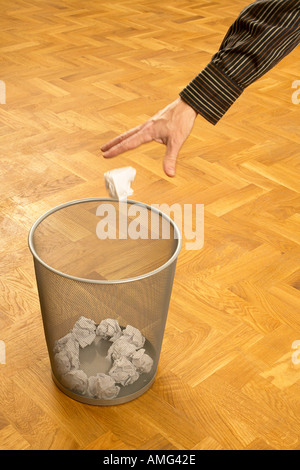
211	93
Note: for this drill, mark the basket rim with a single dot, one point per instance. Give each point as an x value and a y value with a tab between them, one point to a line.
106	281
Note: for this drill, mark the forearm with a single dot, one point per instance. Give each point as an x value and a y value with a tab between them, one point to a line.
264	33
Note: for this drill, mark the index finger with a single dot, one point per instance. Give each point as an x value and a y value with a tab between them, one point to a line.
120	138
131	141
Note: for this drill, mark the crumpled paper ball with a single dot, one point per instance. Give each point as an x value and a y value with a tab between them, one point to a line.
143	362
67	354
62	363
118	182
75	380
85	331
109	329
61	343
120	348
133	336
102	386
124	372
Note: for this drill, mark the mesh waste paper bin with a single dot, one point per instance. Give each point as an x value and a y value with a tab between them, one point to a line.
104	272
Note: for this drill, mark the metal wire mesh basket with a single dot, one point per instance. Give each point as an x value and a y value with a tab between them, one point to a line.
104	272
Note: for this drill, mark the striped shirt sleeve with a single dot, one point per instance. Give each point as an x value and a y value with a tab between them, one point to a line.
263	34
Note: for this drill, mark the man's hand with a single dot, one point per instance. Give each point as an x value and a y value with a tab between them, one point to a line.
170	126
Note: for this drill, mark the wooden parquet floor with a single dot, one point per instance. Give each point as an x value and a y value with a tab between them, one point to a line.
79	73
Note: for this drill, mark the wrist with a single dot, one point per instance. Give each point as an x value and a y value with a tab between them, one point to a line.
187	107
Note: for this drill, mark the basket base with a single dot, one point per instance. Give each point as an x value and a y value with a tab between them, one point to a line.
97	402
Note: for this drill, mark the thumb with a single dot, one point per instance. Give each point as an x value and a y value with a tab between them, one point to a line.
169	163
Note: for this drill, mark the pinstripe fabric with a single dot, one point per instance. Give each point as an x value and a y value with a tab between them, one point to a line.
264	33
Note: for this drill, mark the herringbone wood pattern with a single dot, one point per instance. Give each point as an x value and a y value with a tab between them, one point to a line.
79	73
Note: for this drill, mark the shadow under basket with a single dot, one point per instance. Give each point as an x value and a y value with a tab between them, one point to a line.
104	272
